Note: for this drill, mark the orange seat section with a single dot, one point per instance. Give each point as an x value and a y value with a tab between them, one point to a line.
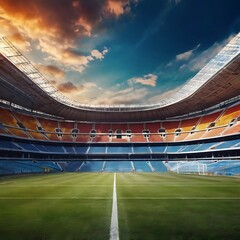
50	127
66	128
11	123
30	123
137	135
228	115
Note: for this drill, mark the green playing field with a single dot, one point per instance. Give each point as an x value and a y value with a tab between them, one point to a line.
150	206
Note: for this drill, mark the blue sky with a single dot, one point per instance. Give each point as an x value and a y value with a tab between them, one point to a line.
119	51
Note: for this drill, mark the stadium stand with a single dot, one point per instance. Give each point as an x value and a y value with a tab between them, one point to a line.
168	135
48	128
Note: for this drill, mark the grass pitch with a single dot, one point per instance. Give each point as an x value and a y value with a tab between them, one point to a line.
150	206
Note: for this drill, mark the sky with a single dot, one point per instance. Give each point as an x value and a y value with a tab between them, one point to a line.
119	51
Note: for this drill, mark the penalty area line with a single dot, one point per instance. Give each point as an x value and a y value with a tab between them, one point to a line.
114	234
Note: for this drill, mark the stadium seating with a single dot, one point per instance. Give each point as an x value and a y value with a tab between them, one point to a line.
170	130
228	115
141	166
118	166
66	129
24	167
221	123
91	166
49	128
102	129
29	122
158	166
137	135
14	127
154	130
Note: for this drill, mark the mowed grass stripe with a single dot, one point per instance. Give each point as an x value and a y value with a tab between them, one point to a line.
56	212
53	198
120	198
150	208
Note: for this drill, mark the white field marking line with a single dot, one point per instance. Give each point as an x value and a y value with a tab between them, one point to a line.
114	234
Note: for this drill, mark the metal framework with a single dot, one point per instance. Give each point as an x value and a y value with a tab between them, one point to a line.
219	62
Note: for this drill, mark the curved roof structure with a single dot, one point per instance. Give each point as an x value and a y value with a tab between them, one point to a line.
23	84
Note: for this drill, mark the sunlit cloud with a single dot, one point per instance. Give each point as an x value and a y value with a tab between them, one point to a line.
50	70
55	28
165	95
125	96
119	7
186	55
99	55
67	87
149	80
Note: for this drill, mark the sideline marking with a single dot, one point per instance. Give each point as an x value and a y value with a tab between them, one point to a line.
114	235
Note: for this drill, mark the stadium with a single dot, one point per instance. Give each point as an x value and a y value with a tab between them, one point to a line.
163	170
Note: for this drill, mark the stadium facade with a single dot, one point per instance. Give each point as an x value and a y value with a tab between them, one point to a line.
195	130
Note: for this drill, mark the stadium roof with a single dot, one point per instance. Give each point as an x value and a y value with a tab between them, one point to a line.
21	83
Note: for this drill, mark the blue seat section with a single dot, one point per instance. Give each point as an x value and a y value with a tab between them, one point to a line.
118	166
141	166
141	149
5	144
55	149
81	149
158	149
158	166
204	146
97	149
49	164
73	166
119	149
69	149
40	147
91	166
229	144
18	167
189	148
173	148
28	147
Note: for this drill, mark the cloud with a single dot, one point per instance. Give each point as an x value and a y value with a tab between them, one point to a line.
62	21
165	95
195	61
76	91
125	96
51	71
99	55
119	7
67	87
149	80
186	55
56	29
204	57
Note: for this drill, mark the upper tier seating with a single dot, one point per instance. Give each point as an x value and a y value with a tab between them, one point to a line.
12	126
221	123
137	135
65	131
48	127
30	123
